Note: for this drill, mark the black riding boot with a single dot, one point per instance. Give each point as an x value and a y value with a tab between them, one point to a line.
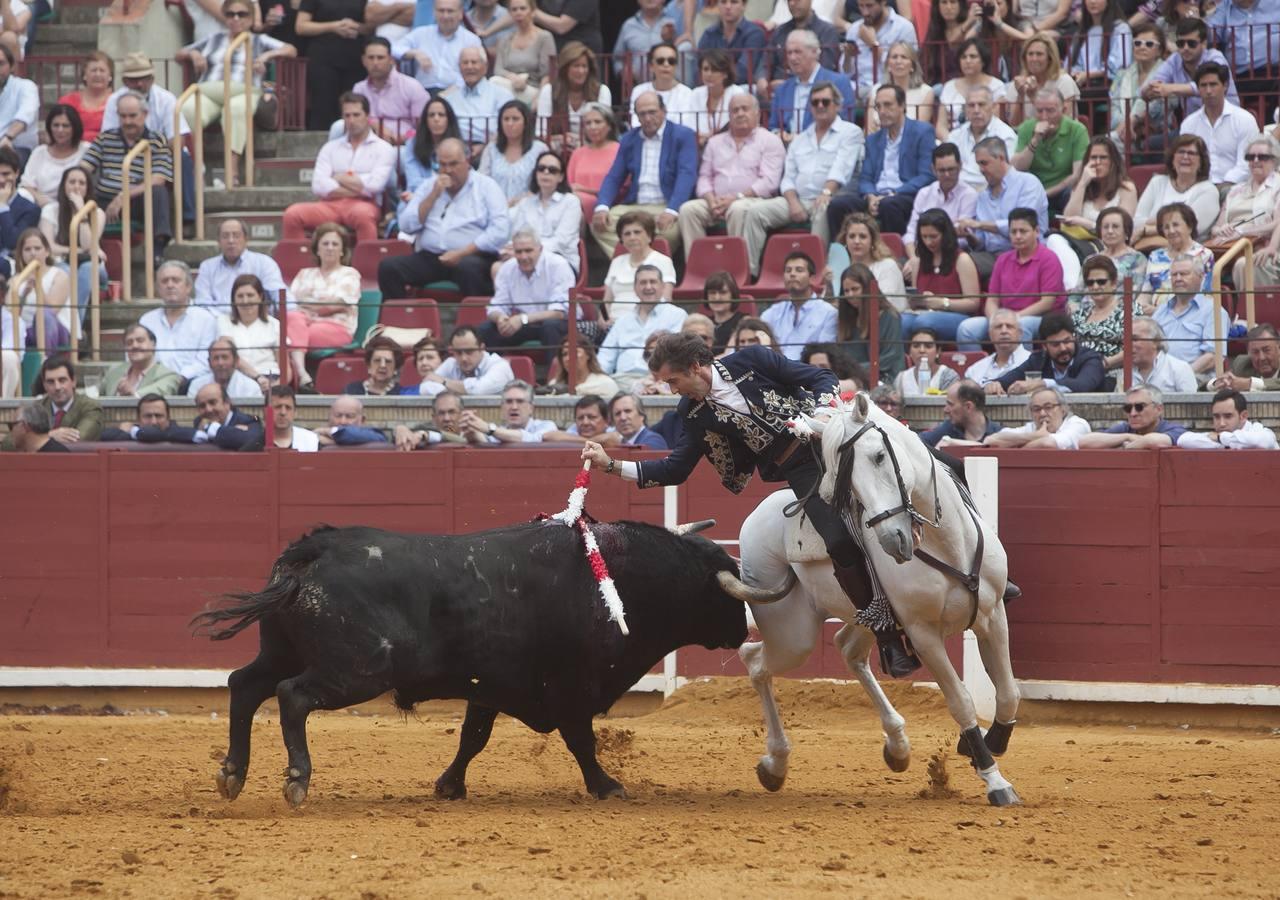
896	660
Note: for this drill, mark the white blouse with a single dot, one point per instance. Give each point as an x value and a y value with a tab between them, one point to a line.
257	342
622	279
44	171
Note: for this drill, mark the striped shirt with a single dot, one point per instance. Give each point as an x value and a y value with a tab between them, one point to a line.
105	157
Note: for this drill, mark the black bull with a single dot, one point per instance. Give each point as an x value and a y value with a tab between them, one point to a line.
510	620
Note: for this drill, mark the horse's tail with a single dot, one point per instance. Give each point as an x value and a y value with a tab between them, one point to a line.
282	588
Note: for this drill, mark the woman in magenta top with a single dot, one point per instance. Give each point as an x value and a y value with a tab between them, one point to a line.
1026	279
97	79
591	162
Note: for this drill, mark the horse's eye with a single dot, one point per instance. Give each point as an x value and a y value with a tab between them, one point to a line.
879	460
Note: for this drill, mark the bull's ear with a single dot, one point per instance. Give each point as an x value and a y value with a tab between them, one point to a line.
860	408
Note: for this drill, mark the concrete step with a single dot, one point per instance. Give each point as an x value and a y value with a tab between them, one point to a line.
297	144
77	15
273	199
81	35
263	226
195	252
284	171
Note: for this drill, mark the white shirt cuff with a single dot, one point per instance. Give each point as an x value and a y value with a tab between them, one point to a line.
628	470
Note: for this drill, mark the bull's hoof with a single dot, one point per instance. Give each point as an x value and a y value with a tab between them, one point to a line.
450	790
1004	797
613	792
770	782
295	788
229	784
894	763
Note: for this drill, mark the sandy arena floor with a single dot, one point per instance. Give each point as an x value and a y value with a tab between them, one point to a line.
125	806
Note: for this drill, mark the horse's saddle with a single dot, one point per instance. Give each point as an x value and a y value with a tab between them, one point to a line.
802	541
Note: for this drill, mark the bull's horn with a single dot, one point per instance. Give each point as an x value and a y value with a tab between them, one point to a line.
740	590
694	527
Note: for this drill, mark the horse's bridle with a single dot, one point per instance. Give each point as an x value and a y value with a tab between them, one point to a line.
844	480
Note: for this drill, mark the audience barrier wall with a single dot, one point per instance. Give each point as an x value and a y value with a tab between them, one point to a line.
1136	566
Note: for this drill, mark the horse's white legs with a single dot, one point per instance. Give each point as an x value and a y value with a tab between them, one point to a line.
992	632
928	644
788	637
855	644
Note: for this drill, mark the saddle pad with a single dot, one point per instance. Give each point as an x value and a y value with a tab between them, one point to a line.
802	541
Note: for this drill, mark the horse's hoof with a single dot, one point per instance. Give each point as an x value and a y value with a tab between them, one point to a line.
1004	797
295	793
229	785
894	763
770	782
615	792
450	790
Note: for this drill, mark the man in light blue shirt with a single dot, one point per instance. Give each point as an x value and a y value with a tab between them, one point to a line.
1248	31
218	273
802	318
530	296
477	100
1187	317
638	35
872	36
1175	77
435	48
1007	189
461	222
622	354
183	332
19	108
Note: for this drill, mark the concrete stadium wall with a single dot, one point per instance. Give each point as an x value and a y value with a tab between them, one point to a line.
1137	567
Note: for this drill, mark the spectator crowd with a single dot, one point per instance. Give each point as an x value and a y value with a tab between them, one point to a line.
1014	182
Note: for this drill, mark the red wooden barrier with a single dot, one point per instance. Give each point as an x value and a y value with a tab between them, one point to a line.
1149	567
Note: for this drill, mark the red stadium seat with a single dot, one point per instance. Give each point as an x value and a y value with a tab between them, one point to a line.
113	250
895	245
409	374
713	254
1266	307
411	314
292	257
769	284
472	311
960	360
368	255
336	372
1142	174
522	367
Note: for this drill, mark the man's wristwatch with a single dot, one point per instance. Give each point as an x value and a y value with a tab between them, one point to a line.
946	302
524	318
492	428
740	196
608	470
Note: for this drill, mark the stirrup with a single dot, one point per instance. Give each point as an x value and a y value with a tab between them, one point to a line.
896	659
1011	591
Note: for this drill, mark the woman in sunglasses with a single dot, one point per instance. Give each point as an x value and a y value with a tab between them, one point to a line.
206	59
1099	317
550	210
664	61
1135	121
1249	208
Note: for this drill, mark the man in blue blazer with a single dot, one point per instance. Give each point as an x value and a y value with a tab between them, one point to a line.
789	110
888	191
659	188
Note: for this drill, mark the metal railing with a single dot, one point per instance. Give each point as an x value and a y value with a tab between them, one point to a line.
95	287
246	39
197	163
143	147
34	268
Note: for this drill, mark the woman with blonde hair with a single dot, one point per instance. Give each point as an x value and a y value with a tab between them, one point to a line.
902	67
327	298
1041	68
55	285
859	241
560	103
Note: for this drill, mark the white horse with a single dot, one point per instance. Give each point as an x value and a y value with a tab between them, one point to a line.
889	477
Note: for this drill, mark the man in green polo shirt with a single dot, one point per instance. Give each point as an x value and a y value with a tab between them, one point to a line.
1052	148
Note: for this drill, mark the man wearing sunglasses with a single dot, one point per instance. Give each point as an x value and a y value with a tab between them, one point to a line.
790	112
1225	128
1176	75
1144	427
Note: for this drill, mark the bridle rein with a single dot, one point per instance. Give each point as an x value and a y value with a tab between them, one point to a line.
844	488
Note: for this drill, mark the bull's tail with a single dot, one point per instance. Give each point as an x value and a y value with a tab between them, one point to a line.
244	609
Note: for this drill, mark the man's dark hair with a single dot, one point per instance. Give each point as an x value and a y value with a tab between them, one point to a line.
9	157
353	97
54	362
800	254
827	87
679	352
138	326
283	390
639	405
930	333
380	41
152	398
1053	323
968	389
1234	396
898	93
463	331
454	394
1212	68
1192	25
946	149
595	401
1025	214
